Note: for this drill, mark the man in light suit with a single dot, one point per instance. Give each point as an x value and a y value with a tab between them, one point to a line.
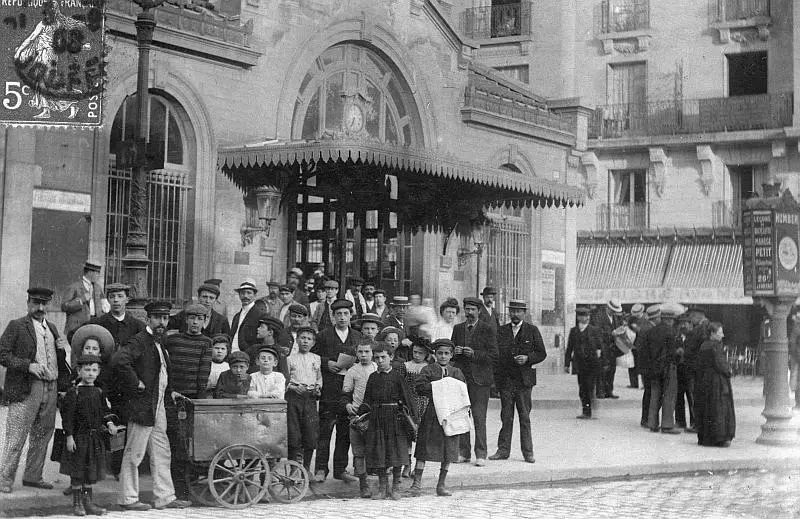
475	355
34	354
244	327
84	300
520	347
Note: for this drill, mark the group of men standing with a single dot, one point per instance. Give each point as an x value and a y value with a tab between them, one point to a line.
667	339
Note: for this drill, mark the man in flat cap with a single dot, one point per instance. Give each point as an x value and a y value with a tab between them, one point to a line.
32	351
286	295
298	318
397	319
272	300
475	355
142	367
489	313
607	319
294	279
190	359
584	349
84	299
353	294
244	327
330	343
379	308
270	333
219	305
323	314
520	347
214	323
659	352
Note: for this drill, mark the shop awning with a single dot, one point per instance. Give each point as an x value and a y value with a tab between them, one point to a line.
272	163
647	271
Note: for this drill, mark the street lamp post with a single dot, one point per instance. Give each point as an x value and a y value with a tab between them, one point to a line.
136	261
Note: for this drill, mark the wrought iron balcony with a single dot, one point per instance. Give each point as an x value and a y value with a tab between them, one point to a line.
732	10
480	100
727	213
497	21
623	217
625	15
721	114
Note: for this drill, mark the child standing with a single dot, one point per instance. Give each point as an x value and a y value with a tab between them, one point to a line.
386	438
219	351
432	444
302	391
419	359
266	383
353	388
84	415
235	382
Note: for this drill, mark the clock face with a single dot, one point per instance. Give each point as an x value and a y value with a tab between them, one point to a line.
353	118
787	253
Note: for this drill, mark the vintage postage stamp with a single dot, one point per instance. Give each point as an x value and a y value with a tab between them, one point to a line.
53	62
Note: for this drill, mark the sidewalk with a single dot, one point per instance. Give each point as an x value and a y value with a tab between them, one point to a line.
566	449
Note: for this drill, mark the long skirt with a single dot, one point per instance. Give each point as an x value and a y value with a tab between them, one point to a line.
386	439
432	444
714	414
88	462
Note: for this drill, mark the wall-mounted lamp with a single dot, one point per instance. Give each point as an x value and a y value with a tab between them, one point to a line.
478	244
261	206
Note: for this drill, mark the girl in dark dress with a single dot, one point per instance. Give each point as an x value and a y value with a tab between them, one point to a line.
386	439
85	417
716	419
432	444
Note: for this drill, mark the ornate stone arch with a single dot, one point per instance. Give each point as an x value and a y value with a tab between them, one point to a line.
369	33
511	154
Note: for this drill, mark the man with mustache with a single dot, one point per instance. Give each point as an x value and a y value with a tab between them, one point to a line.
33	352
142	368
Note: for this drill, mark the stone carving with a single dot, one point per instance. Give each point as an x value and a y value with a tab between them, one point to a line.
660	163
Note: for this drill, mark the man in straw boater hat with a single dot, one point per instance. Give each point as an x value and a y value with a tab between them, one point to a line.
31	350
660	348
607	319
244	327
475	355
584	349
520	347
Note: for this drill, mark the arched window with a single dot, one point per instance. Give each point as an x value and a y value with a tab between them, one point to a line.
351	90
168	200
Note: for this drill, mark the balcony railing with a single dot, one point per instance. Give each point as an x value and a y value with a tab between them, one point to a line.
722	114
497	21
732	10
474	98
727	213
625	15
619	217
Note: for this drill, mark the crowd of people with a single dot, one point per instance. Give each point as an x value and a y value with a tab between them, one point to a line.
678	354
399	385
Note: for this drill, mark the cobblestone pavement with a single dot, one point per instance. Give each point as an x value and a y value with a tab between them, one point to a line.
700	495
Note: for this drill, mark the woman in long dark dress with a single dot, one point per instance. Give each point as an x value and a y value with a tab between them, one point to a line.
386	438
716	419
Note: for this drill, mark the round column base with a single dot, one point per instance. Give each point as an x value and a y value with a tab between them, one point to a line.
779	432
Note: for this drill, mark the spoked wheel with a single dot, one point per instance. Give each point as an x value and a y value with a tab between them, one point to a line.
235	476
197	481
288	481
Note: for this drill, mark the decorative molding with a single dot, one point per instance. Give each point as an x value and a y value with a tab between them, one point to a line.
710	165
743	31
367	26
628	42
660	164
591	167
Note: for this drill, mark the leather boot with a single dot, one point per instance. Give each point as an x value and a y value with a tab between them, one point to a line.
383	479
393	492
91	508
440	488
416	487
77	503
363	486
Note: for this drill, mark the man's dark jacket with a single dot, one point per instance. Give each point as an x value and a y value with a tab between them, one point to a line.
122	331
582	348
18	352
216	325
139	360
527	342
479	369
492	320
658	349
248	331
328	347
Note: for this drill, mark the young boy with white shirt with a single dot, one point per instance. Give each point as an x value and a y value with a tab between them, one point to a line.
302	391
355	382
266	383
219	352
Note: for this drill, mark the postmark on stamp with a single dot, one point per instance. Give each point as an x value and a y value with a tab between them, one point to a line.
53	62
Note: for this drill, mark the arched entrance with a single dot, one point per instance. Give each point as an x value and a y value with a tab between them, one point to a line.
169	196
354	92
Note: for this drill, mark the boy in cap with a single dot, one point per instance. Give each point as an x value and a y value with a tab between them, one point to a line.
298	318
234	383
331	342
323	315
219	352
266	383
584	349
118	321
302	390
215	323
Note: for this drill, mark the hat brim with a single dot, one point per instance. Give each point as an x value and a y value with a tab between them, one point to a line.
89	331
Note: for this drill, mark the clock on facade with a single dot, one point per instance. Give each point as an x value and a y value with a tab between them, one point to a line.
353	118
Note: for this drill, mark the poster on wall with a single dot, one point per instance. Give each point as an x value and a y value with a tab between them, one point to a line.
548	289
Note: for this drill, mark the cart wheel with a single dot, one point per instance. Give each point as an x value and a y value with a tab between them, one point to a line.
288	481
197	481
235	476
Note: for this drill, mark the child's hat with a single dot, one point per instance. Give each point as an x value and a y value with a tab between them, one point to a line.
308	329
92	331
270	349
440	343
88	359
238	356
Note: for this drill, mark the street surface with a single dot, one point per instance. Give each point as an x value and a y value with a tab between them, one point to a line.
700	495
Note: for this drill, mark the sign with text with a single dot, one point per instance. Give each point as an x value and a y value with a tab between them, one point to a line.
53	62
770	252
